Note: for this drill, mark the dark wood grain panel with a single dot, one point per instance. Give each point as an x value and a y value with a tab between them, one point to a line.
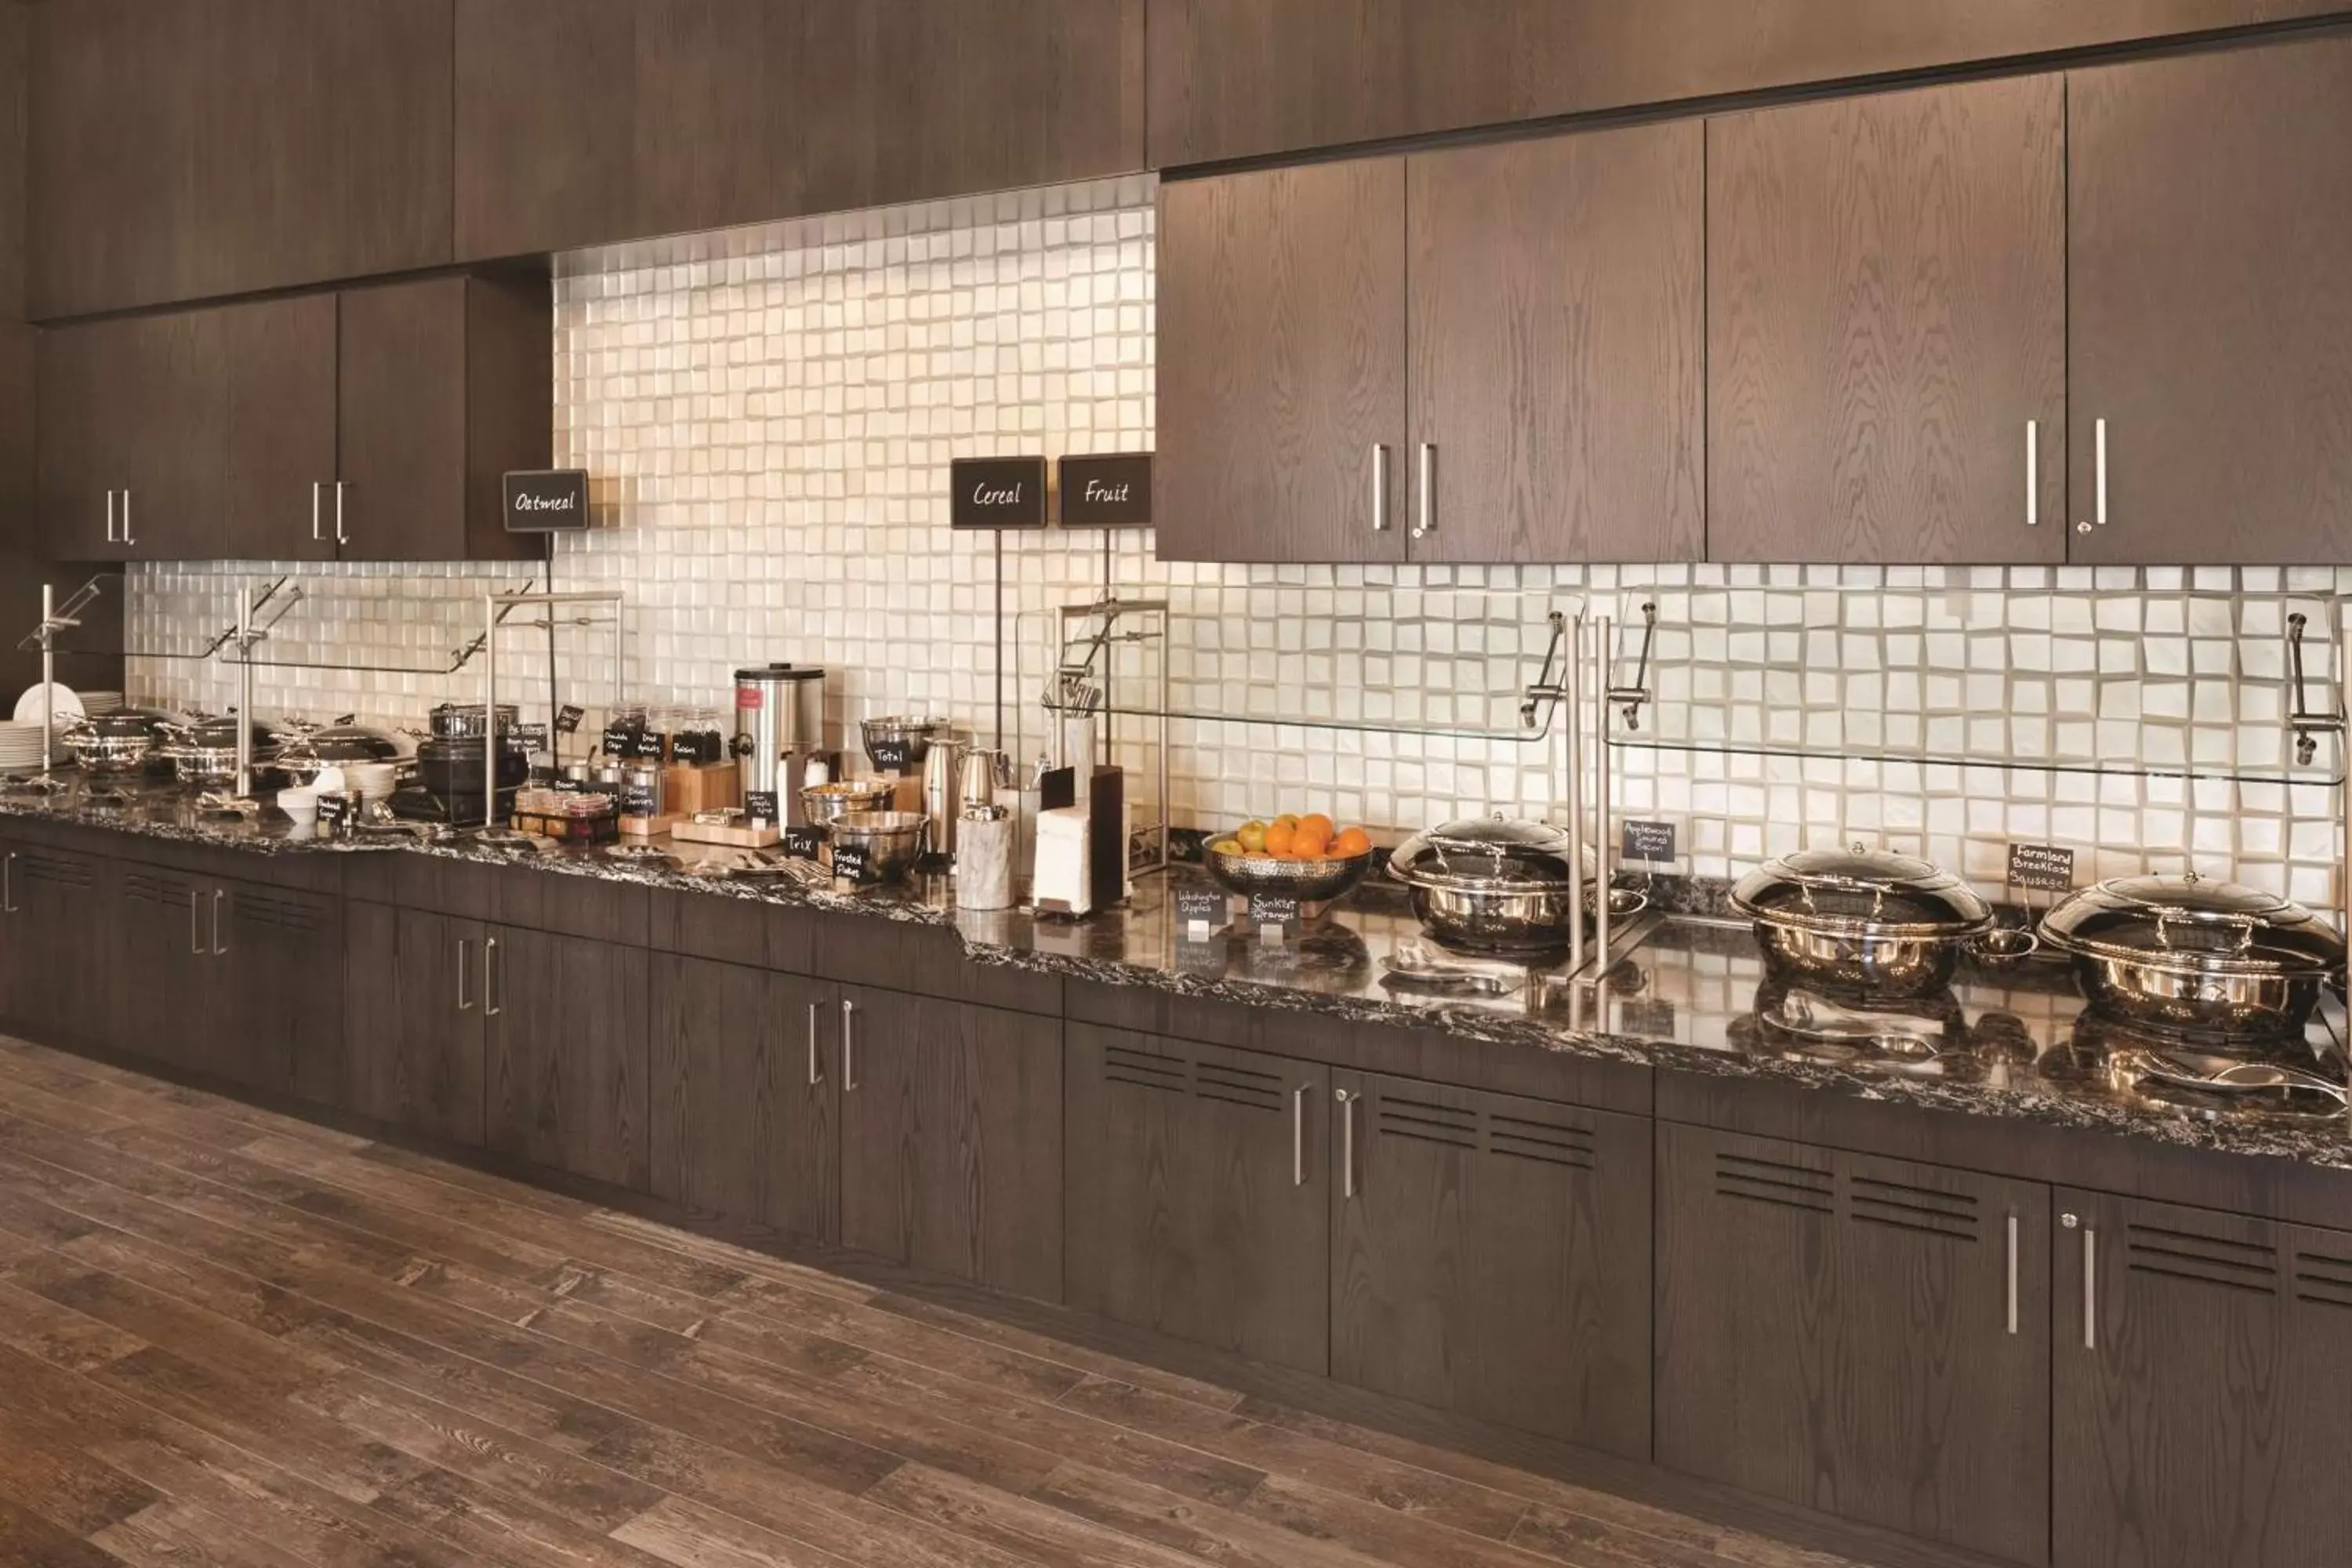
16	23
1886	309
905	955
281	957
56	964
2191	1426
748	932
1494	1259
1233	78
1833	1330
135	437
1197	1193
951	1139
565	1053
1282	365
2209	227
412	1038
20	518
1558	331
279	368
744	1091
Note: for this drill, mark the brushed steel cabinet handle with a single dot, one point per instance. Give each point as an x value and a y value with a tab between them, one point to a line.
341	537
492	1008
849	1044
219	947
8	884
316	490
109	519
465	1003
1380	488
1348	1144
2013	1273
126	519
817	1067
2034	473
1425	492
196	915
2099	446
1299	1136
2090	1289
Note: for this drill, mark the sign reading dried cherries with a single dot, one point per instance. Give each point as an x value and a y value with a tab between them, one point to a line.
546	500
1647	841
997	492
894	755
1113	492
802	843
849	863
567	720
759	805
2042	867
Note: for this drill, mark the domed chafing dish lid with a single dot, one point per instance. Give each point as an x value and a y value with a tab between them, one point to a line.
1491	855
1860	892
2191	925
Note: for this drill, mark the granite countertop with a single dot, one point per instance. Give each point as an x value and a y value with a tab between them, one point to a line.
1690	992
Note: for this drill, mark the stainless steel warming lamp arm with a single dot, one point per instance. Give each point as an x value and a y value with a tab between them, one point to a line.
54	619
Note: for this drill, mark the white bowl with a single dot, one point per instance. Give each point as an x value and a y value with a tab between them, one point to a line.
300	806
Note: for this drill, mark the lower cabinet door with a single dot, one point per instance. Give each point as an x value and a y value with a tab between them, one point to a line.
162	941
565	1053
745	1076
951	1139
280	987
1861	1336
1491	1256
56	961
412	1038
1198	1193
2203	1376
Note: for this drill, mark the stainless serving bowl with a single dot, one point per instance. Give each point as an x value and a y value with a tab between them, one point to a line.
893	840
1864	922
827	803
110	745
1508	919
1501	886
1308	881
2184	955
915	732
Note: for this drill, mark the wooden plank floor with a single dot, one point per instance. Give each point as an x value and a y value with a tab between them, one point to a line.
227	1337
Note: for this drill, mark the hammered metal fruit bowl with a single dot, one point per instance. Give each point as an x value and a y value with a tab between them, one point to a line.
1308	881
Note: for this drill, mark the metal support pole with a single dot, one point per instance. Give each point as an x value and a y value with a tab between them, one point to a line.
48	680
1572	676
244	693
1601	766
491	706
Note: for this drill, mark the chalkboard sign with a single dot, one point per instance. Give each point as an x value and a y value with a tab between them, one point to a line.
2040	867
647	745
567	720
760	806
997	492
529	737
1273	909
1112	491
1647	841
546	500
1646	1018
803	843
893	754
1199	911
850	864
334	810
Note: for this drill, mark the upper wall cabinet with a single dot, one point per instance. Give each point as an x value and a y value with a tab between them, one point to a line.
1480	354
1886	298
1233	78
2210	211
187	149
584	122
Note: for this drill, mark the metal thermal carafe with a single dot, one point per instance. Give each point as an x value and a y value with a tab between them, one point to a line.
779	726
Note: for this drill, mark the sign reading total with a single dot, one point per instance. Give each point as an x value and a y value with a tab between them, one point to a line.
997	492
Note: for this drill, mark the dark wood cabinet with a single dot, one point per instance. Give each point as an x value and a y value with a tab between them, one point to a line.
133	437
1887	312
565	1053
1557	317
1282	415
745	1075
951	1139
160	929
413	1030
186	148
278	464
1491	1256
280	985
1862	1336
2209	235
1235	79
55	971
1198	1195
2204	1387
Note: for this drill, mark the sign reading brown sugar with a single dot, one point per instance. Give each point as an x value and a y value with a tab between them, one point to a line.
998	492
547	500
1112	491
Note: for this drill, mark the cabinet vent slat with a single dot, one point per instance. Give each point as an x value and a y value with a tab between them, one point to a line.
1140	1069
1422	1132
2206	1260
1928	1200
1143	1080
1918	1224
1574	1157
1246	1100
2203	1276
2322	1280
1770	1182
1461	1132
73	874
1258	1090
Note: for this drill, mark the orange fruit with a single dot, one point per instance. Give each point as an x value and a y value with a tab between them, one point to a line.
1353	842
1308	841
1280	839
1320	824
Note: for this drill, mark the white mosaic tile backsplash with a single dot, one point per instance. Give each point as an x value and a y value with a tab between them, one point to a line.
768	415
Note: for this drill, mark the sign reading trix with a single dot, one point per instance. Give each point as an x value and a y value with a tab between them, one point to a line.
998	492
1112	491
546	500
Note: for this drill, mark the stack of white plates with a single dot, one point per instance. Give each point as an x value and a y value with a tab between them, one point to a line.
20	747
373	781
101	701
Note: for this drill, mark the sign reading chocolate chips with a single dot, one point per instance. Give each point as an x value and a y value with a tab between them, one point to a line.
760	808
893	755
997	492
546	500
1199	911
849	863
802	843
2042	867
1648	841
1112	491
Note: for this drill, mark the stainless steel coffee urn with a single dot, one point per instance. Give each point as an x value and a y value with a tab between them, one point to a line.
779	726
